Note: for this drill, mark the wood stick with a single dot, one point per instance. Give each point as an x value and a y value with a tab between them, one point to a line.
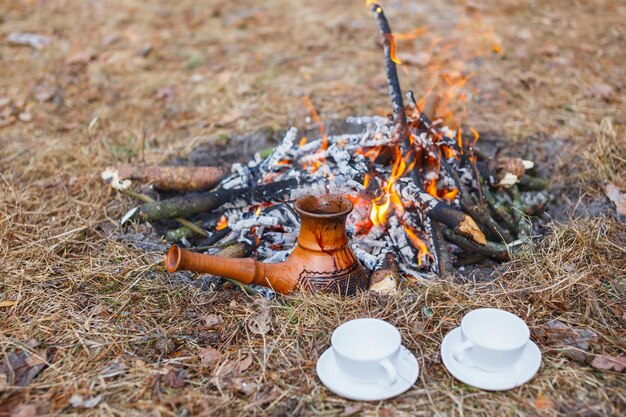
439	211
532	183
499	251
146	199
395	92
444	262
174	178
477	210
192	204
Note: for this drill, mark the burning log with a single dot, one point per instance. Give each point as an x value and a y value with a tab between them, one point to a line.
189	205
455	219
173	178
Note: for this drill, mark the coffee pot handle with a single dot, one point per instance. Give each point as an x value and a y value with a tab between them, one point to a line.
392	373
460	349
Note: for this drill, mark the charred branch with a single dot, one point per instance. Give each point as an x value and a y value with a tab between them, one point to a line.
395	92
189	205
499	251
439	211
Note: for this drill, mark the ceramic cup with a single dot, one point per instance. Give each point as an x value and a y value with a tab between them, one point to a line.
492	340
366	350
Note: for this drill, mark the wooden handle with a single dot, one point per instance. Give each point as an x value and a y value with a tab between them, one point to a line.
240	269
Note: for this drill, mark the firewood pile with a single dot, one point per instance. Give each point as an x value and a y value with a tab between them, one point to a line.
424	197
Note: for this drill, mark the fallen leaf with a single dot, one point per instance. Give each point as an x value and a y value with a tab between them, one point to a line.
242	386
350	410
212	320
229	118
29	39
618	198
260	323
175	378
7	303
22	367
573	341
78	401
543	403
601	90
25	117
24	410
550	50
113	368
610	363
245	364
209	355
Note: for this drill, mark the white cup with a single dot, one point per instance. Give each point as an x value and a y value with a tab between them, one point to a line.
366	350
492	340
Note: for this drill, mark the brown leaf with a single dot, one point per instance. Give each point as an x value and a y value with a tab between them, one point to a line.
24	410
242	386
574	341
78	401
175	378
260	323
244	364
601	90
7	303
350	410
22	367
212	320
114	368
610	363
618	198
543	403
229	118
209	355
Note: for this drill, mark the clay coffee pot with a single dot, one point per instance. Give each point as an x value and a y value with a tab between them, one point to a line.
321	261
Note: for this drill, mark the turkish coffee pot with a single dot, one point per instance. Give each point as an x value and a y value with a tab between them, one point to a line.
321	261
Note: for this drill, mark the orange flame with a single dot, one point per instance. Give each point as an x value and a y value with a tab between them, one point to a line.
303	141
320	127
381	205
417	243
450	195
476	135
222	223
431	188
392	47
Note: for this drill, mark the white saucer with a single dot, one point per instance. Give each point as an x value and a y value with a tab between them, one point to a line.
335	380
523	371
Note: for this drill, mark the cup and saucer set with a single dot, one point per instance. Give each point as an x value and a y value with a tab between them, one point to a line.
491	350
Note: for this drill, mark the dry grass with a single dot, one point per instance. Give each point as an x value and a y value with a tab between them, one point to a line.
89	300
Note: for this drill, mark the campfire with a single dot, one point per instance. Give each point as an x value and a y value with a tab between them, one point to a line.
424	197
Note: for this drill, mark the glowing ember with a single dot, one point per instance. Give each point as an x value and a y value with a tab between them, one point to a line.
222	223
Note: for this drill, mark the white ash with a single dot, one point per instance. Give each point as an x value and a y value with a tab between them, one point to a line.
254	221
279	256
279	152
368	260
